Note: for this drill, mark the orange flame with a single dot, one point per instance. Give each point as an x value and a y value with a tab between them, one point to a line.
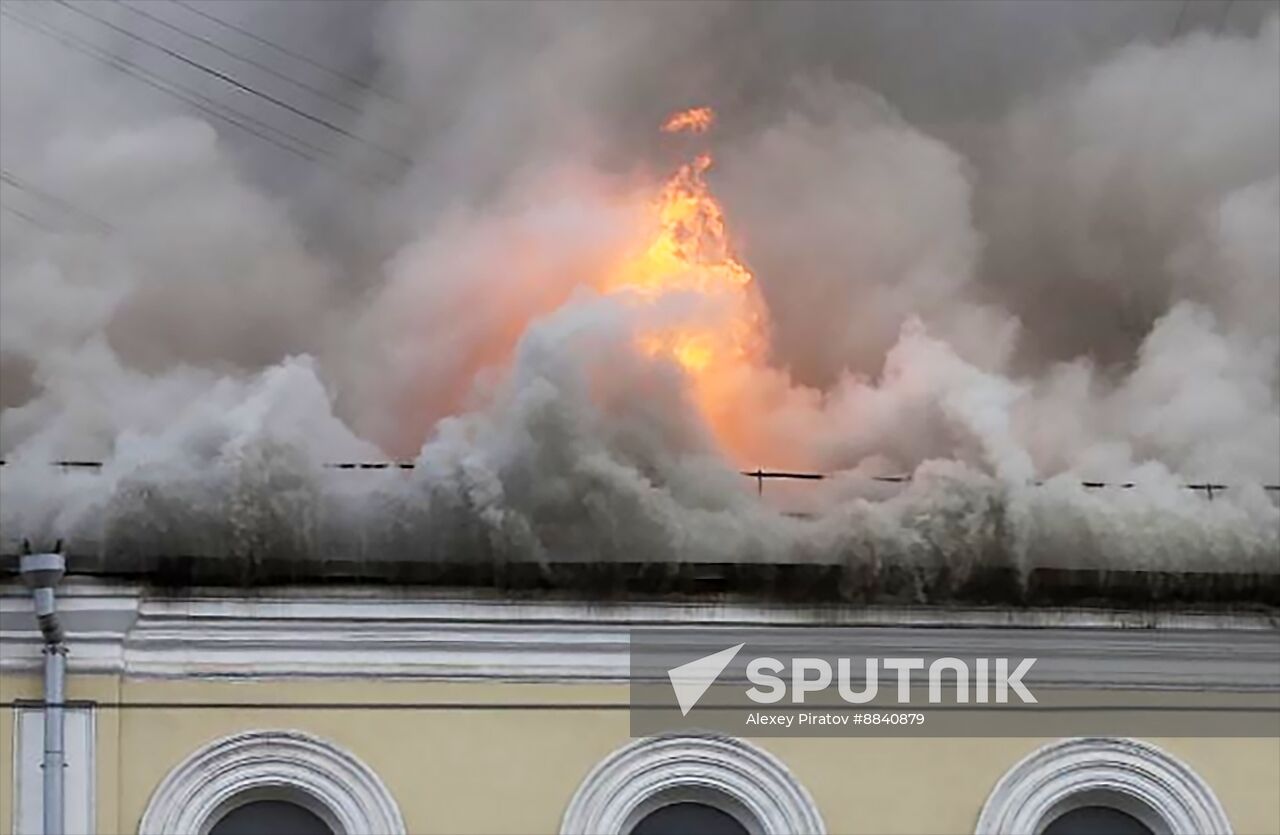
693	120
690	255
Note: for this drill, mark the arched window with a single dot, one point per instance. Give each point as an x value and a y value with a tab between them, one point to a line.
1114	786
1096	820
687	817
271	783
673	785
271	817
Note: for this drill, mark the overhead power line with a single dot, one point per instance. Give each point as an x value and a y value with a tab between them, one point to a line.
316	91
210	107
67	207
21	215
236	83
187	95
283	50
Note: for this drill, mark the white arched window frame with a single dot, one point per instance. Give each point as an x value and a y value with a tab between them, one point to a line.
731	775
1134	777
272	765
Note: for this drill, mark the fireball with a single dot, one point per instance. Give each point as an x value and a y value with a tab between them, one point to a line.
689	258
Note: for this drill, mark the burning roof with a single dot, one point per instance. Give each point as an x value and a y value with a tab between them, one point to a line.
581	334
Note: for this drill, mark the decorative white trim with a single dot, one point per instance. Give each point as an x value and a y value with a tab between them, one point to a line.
1132	776
731	774
293	765
79	786
424	634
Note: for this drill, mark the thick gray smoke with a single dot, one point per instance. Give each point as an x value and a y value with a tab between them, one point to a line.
1001	247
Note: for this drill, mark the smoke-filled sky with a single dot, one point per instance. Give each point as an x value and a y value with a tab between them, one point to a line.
992	244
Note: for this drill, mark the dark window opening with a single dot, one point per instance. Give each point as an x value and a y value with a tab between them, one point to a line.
1097	820
270	817
689	819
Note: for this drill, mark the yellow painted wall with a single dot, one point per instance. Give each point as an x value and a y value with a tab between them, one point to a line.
100	689
514	772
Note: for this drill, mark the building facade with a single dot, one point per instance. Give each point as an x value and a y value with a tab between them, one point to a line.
410	710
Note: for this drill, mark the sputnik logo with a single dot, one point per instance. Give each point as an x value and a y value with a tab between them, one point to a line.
691	680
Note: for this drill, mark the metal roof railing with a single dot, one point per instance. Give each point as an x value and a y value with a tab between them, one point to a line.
760	475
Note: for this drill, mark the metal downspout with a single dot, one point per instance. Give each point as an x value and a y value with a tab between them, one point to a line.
42	572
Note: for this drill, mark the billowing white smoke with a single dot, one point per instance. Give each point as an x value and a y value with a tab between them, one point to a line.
1085	286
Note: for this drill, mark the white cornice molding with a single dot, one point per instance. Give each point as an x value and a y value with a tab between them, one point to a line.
98	617
1136	777
409	633
745	781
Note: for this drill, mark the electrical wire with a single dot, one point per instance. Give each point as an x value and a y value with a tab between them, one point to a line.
286	51
236	83
10	179
18	213
316	91
210	107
